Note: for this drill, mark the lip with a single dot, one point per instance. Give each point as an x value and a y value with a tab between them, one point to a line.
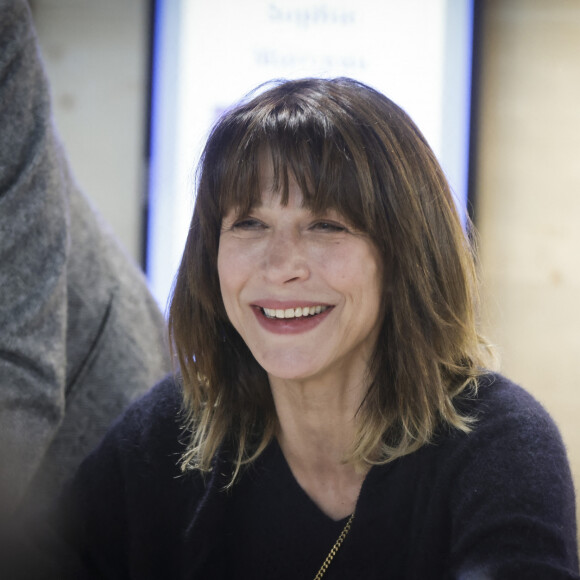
289	325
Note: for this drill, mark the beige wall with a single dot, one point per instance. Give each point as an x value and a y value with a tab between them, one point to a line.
96	57
529	200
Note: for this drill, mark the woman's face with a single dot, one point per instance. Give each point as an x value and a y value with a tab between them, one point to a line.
302	290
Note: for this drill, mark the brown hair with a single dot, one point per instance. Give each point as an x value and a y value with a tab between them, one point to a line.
352	149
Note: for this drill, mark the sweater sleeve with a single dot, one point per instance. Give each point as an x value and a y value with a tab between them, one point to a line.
512	506
33	257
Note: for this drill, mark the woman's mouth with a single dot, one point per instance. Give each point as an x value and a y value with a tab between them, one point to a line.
298	312
292	320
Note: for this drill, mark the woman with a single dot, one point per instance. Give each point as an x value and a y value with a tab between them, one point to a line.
338	418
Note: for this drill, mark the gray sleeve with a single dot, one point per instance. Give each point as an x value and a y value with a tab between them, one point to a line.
33	257
80	334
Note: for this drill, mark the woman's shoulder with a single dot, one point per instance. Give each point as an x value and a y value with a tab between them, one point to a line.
161	405
514	450
498	400
147	436
507	424
510	474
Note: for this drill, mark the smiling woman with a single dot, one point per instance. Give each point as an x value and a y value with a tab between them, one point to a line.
332	414
392	261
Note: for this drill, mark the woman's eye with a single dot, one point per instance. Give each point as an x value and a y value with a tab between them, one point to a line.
330	227
248	224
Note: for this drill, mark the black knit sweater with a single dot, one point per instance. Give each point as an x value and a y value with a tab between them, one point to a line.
497	503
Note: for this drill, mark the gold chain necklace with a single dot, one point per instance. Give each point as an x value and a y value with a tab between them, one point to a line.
334	549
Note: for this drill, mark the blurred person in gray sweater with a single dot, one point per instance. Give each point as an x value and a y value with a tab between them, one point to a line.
80	334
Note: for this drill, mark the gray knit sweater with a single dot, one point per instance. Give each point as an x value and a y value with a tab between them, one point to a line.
80	335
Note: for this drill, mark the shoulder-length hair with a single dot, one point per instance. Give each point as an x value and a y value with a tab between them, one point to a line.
352	149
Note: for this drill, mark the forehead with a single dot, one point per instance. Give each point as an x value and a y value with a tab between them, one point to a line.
272	197
277	184
271	182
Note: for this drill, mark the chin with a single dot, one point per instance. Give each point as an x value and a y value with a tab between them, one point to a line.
287	374
289	371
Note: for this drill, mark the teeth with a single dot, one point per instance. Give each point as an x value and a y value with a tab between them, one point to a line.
294	312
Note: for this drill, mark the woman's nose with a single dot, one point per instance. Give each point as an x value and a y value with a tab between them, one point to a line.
285	259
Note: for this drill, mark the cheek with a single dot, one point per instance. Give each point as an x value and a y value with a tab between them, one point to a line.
226	275
364	276
234	270
358	269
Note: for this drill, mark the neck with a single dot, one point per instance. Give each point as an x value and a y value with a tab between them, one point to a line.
317	428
